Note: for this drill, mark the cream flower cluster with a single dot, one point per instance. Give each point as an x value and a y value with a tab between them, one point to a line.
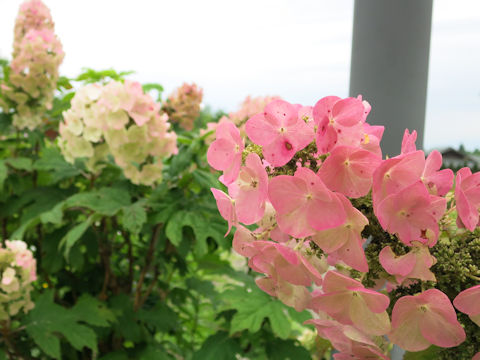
17	272
37	55
121	120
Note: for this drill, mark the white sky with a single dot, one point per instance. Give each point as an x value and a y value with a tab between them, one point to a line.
299	50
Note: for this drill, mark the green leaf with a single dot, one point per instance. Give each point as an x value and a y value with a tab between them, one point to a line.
431	353
127	325
47	342
206	179
286	350
200	225
219	347
53	216
53	162
93	311
3	173
105	201
20	163
117	355
92	76
73	236
134	217
48	319
161	318
152	86
152	353
253	306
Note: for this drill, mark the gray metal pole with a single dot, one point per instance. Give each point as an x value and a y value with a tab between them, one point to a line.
390	49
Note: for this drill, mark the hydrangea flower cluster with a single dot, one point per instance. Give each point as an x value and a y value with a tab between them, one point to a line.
121	120
17	272
345	234
183	105
37	55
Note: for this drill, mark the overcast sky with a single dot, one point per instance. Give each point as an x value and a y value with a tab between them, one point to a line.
299	50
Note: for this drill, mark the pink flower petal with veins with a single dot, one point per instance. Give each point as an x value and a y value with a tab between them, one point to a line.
468	302
438	182
250	190
408	142
348	112
303	204
347	301
323	109
225	153
349	170
396	174
407	213
345	241
467	197
396	265
280	132
243	242
424	319
226	207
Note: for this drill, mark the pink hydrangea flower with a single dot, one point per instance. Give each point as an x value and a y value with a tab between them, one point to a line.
345	241
412	213
347	301
438	182
415	264
349	170
370	140
351	342
250	190
303	204
339	122
279	131
226	207
468	302
425	319
280	260
395	174
296	296
225	153
467	197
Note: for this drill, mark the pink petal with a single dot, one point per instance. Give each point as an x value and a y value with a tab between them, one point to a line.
334	281
367	321
323	109
348	112
280	151
335	304
468	301
225	207
349	170
259	130
281	112
220	154
408	142
405	325
396	265
437	330
242	242
376	302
